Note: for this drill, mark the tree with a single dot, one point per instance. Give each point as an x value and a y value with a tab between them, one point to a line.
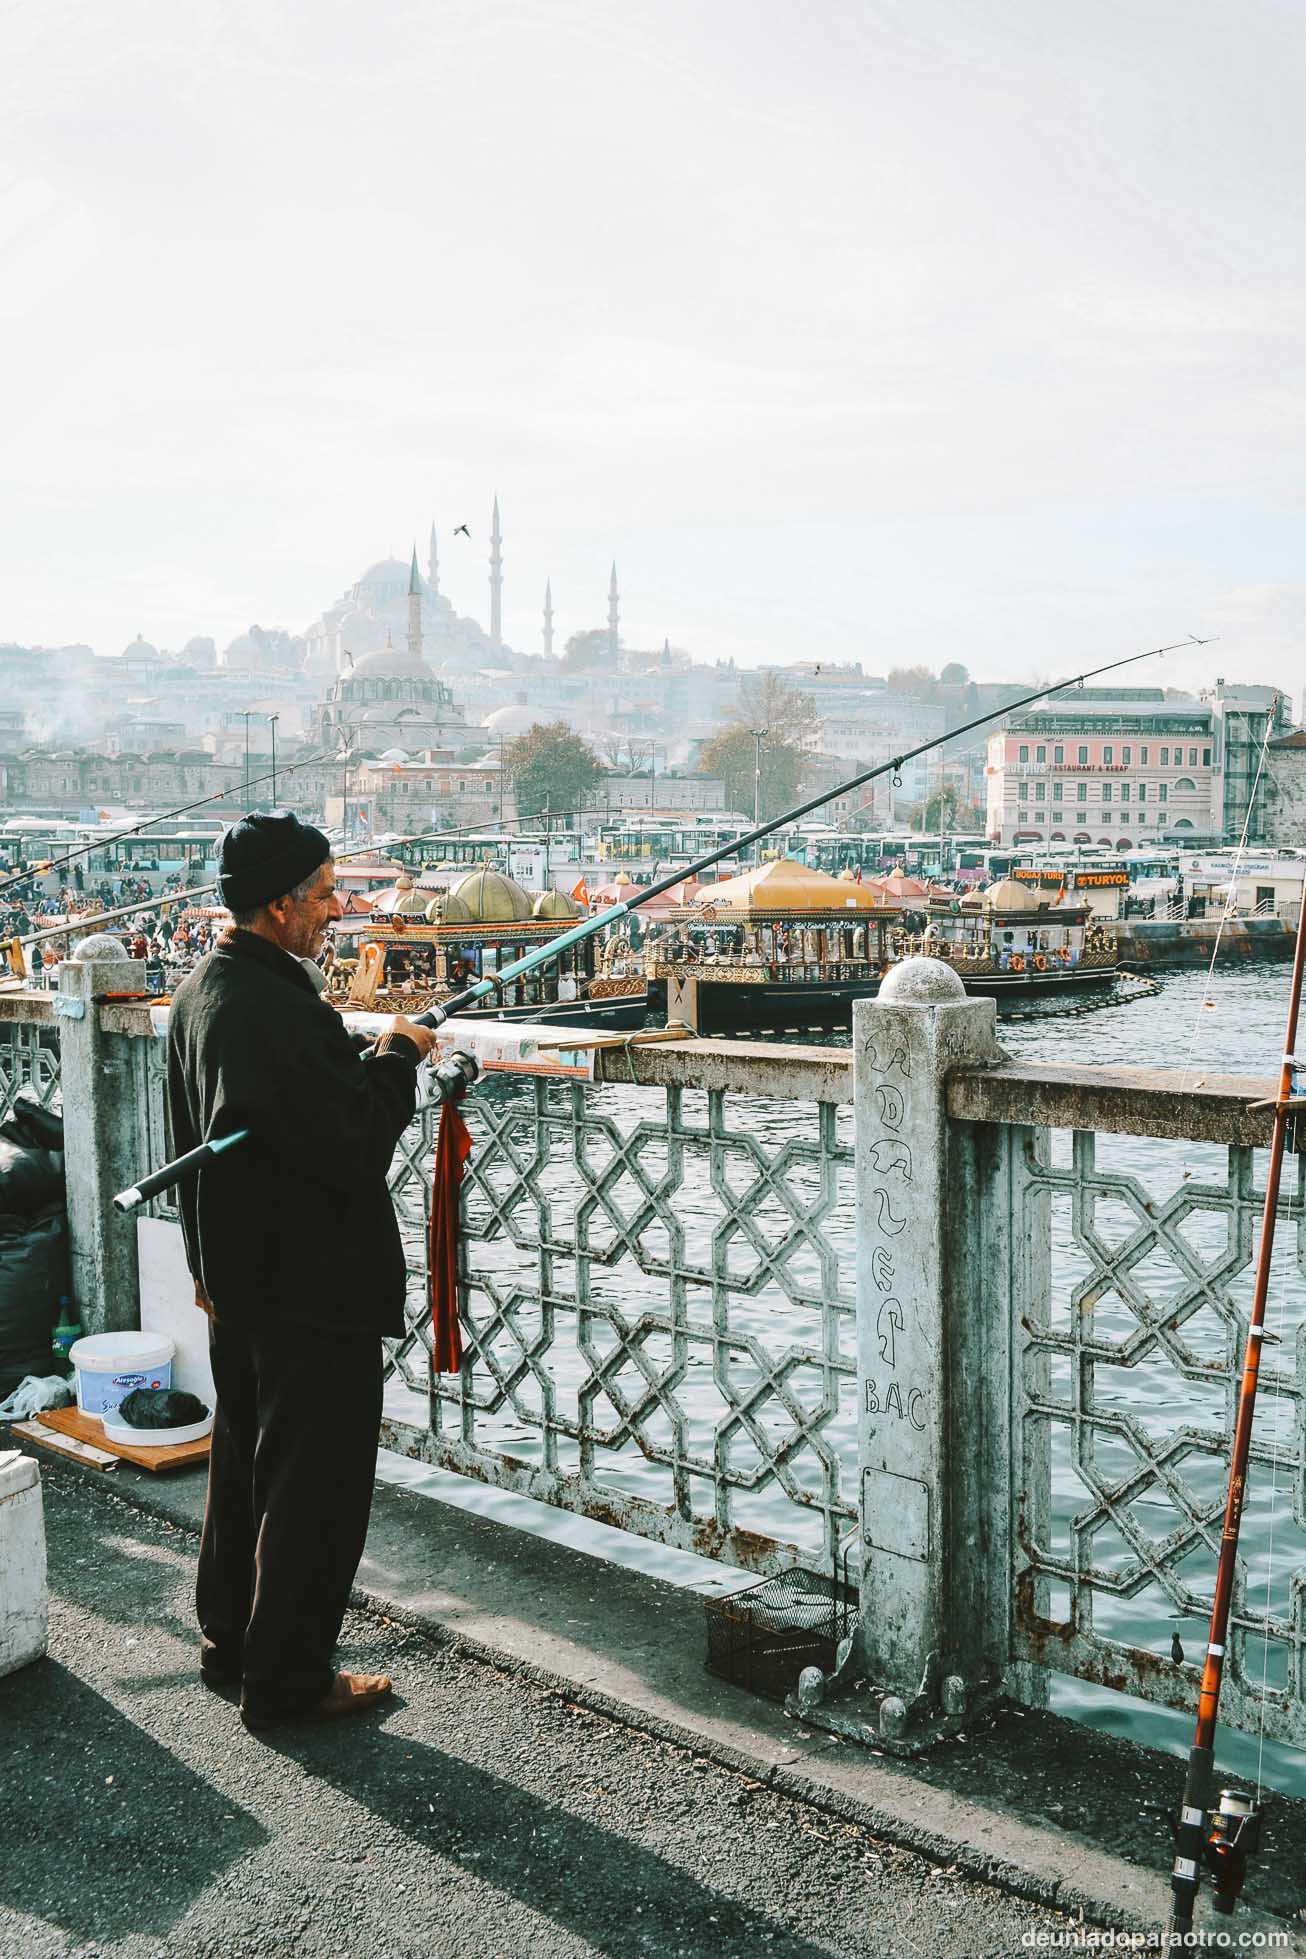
954	675
632	754
584	651
771	702
550	766
919	682
947	809
732	754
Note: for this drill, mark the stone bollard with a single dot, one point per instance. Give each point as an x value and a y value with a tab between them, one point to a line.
24	1594
100	1136
682	999
933	1376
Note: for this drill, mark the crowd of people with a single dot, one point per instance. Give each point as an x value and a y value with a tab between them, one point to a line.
168	940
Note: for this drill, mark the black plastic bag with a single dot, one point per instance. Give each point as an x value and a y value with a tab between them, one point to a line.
30	1122
33	1279
31	1159
161	1408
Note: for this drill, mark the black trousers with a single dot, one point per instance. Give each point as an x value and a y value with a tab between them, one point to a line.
290	1487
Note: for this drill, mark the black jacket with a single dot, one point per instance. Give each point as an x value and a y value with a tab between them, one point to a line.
297	1222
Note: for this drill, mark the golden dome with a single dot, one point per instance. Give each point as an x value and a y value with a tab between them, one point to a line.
784	885
401	901
490	899
1009	894
445	909
554	904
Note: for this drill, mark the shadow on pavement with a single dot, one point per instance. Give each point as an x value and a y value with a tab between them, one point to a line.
562	1866
103	1831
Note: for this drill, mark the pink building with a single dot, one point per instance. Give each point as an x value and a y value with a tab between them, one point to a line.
1122	768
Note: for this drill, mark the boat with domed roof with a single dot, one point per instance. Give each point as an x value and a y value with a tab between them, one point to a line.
791	947
423	940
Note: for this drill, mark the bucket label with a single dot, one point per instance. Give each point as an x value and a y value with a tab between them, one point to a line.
99	1394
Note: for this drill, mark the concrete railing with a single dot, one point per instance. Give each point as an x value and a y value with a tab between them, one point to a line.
977	1326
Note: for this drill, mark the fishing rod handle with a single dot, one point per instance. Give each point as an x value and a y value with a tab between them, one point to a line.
452	1078
174	1173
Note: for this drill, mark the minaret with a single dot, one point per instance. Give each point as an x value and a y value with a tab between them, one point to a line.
612	611
548	619
496	580
414	610
433	563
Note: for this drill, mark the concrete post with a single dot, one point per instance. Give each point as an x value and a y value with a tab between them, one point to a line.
933	1421
100	1140
933	1377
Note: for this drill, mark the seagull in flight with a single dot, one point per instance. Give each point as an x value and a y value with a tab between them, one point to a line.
461	530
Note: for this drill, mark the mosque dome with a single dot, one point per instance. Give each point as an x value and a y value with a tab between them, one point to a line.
448	910
388	577
393	755
140	648
513	720
393	662
1009	894
554	904
490	898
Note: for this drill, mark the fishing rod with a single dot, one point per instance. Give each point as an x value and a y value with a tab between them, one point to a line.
642	895
143	828
1225	1836
164	900
172	1173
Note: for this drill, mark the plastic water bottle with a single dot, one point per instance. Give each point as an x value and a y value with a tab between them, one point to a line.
67	1330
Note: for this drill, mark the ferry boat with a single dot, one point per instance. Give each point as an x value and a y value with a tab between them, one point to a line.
786	946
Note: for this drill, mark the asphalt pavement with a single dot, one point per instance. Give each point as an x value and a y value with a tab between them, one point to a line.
482	1816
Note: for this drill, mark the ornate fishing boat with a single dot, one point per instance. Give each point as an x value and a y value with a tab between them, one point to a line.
420	945
788	946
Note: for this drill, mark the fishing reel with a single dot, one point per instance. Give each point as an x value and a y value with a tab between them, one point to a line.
452	1077
1233	1835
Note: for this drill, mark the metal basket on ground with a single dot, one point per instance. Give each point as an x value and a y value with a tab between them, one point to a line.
762	1638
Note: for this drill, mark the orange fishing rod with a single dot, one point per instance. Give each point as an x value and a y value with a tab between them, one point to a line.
1225	1837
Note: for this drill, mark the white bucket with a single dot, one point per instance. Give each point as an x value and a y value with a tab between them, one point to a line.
116	1430
110	1365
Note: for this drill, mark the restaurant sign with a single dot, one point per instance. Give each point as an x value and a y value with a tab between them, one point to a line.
1080	880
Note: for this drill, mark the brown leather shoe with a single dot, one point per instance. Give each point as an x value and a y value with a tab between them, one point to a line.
350	1693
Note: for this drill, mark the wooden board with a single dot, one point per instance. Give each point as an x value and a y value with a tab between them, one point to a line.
64	1445
85	1428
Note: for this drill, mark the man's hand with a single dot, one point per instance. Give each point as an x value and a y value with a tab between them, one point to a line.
423	1038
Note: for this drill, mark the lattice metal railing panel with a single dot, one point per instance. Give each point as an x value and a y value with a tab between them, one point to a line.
658	1310
29	1065
1126	1388
149	1060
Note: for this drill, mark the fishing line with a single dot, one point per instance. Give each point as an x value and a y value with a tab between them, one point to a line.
1281	1293
818	801
166	900
1277	1336
143	829
1231	895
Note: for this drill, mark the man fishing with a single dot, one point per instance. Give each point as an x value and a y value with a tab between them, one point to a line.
294	1247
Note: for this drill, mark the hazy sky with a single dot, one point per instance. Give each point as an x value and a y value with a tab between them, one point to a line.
902	331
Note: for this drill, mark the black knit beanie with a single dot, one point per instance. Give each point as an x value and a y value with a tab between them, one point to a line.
265	855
